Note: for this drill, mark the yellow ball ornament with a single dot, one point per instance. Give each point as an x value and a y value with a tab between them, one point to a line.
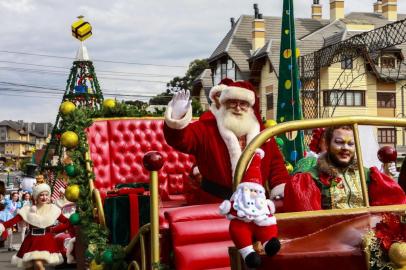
109	103
94	266
69	139
289	168
72	193
270	123
67	107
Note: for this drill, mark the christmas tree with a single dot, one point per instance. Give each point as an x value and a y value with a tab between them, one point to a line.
82	90
289	104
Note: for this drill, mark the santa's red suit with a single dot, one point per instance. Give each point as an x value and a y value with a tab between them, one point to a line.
251	216
40	243
217	149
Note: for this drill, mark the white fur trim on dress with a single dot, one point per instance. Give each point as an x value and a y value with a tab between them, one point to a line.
225	207
177	123
232	143
232	92
38	220
27	260
278	191
69	244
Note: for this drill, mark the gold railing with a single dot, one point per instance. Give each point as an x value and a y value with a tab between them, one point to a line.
353	121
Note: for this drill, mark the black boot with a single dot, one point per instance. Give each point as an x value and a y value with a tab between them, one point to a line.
253	260
272	247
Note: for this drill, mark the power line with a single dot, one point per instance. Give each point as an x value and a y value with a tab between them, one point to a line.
94	60
54	72
98	70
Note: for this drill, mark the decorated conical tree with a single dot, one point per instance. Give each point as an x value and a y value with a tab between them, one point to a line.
289	104
82	90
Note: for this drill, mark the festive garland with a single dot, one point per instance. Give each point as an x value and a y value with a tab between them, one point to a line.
72	133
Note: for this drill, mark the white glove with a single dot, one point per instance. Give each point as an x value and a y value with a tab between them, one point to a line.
180	104
393	171
277	192
225	207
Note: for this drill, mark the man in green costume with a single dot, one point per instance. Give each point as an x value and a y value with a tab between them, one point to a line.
335	183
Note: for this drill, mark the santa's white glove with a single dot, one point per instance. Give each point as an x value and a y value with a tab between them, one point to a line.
392	170
277	192
225	207
180	104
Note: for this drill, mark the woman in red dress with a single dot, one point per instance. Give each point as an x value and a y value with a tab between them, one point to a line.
39	247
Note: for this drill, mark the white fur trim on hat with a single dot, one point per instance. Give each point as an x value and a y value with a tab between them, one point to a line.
232	92
215	89
177	123
38	189
260	152
251	185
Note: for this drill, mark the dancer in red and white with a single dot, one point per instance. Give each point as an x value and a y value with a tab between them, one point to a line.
251	215
39	247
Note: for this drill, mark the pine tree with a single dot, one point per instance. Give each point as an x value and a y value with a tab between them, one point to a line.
289	104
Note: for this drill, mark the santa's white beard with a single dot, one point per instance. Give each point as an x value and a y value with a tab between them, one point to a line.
249	206
239	124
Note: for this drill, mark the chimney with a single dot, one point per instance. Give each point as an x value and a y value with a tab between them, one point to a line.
390	9
336	9
316	10
258	30
232	21
378	7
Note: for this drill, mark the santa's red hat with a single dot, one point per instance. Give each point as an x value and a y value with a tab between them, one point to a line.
253	177
219	88
241	90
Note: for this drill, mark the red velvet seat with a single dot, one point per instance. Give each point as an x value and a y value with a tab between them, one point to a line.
117	147
200	237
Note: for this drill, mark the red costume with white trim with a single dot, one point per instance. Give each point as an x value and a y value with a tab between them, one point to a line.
40	243
217	149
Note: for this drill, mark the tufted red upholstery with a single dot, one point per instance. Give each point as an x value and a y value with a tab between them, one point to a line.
117	147
200	237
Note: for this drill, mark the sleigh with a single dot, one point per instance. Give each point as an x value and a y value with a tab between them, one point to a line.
196	236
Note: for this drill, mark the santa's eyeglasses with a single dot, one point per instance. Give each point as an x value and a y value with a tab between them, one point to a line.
234	103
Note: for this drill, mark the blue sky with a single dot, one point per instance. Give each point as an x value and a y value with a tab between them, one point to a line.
165	34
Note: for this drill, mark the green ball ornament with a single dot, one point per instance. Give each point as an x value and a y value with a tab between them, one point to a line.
107	256
89	255
74	219
70	170
280	142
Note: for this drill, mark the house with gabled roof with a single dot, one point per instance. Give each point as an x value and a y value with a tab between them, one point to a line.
369	85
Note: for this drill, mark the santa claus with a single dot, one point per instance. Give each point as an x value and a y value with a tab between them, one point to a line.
218	138
251	216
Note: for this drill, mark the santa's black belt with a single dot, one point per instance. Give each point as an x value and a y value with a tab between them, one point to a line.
216	189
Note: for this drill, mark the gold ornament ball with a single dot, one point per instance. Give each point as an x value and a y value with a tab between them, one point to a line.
270	123
72	193
67	107
109	103
397	253
69	139
94	266
289	168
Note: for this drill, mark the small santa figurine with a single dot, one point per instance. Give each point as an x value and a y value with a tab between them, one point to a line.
251	215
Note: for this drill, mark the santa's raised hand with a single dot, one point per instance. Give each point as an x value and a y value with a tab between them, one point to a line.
180	104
